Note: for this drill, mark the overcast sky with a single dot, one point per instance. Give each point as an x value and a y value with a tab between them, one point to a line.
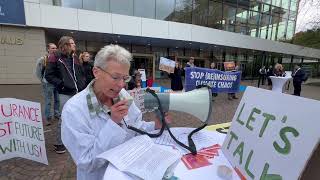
309	11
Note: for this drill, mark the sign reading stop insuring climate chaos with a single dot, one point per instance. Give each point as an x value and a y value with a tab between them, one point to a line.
219	81
21	130
272	135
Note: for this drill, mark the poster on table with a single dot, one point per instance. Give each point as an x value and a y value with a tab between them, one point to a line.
272	135
167	65
219	81
21	130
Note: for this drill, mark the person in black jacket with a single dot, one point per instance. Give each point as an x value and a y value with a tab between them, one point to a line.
65	72
298	76
87	67
176	78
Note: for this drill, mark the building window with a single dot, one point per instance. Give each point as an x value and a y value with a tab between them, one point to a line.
200	12
144	8
215	15
182	11
96	5
124	7
229	17
165	9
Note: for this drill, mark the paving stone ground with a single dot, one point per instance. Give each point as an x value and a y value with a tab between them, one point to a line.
62	167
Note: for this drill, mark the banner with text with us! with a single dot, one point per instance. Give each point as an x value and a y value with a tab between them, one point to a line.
219	81
21	130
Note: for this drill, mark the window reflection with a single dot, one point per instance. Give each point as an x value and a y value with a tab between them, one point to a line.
165	9
229	17
96	5
215	15
124	7
144	8
183	9
271	19
200	11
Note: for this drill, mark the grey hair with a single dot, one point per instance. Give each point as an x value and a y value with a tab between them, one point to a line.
112	53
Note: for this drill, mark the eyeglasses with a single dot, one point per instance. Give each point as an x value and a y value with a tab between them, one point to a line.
126	78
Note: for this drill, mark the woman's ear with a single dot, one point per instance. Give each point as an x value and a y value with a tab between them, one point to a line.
95	72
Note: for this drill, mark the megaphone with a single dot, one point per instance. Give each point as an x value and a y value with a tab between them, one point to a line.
197	102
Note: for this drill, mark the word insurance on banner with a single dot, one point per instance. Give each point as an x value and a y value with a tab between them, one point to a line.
219	81
21	130
269	140
166	65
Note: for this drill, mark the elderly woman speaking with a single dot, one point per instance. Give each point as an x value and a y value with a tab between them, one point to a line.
93	122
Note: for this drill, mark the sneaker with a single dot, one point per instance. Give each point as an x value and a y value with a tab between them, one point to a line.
60	149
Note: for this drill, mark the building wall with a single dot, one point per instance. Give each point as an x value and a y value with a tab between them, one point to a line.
19	49
56	17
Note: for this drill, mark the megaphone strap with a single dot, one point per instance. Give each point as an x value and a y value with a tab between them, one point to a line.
192	147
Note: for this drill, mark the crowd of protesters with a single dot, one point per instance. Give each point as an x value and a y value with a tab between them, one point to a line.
63	74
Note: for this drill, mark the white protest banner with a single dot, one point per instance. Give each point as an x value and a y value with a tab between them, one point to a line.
21	130
166	65
272	135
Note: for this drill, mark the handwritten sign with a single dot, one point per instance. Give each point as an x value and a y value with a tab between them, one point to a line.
219	81
166	65
272	135
21	130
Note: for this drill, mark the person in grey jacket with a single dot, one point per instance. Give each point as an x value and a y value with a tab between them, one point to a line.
48	89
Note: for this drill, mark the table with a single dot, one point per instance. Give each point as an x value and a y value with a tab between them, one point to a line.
208	172
279	82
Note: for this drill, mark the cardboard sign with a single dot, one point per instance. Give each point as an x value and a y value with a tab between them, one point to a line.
229	66
219	81
21	130
272	135
166	65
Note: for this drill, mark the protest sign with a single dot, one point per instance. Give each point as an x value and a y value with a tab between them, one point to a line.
219	81
272	134
229	66
166	65
137	94
143	74
21	130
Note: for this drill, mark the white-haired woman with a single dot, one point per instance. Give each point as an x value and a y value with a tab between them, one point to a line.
93	122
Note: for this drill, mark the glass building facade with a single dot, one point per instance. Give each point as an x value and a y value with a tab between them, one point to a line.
267	19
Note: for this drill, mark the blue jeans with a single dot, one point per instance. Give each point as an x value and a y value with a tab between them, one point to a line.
63	99
50	91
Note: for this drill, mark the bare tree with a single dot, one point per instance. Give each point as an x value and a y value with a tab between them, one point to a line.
308	15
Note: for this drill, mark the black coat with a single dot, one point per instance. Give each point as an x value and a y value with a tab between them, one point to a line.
176	79
299	76
87	71
67	81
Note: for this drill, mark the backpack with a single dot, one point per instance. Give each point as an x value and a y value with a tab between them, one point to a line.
41	67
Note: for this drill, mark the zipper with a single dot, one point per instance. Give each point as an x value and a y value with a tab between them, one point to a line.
75	84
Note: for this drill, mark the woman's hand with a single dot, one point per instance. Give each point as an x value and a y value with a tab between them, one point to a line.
119	110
